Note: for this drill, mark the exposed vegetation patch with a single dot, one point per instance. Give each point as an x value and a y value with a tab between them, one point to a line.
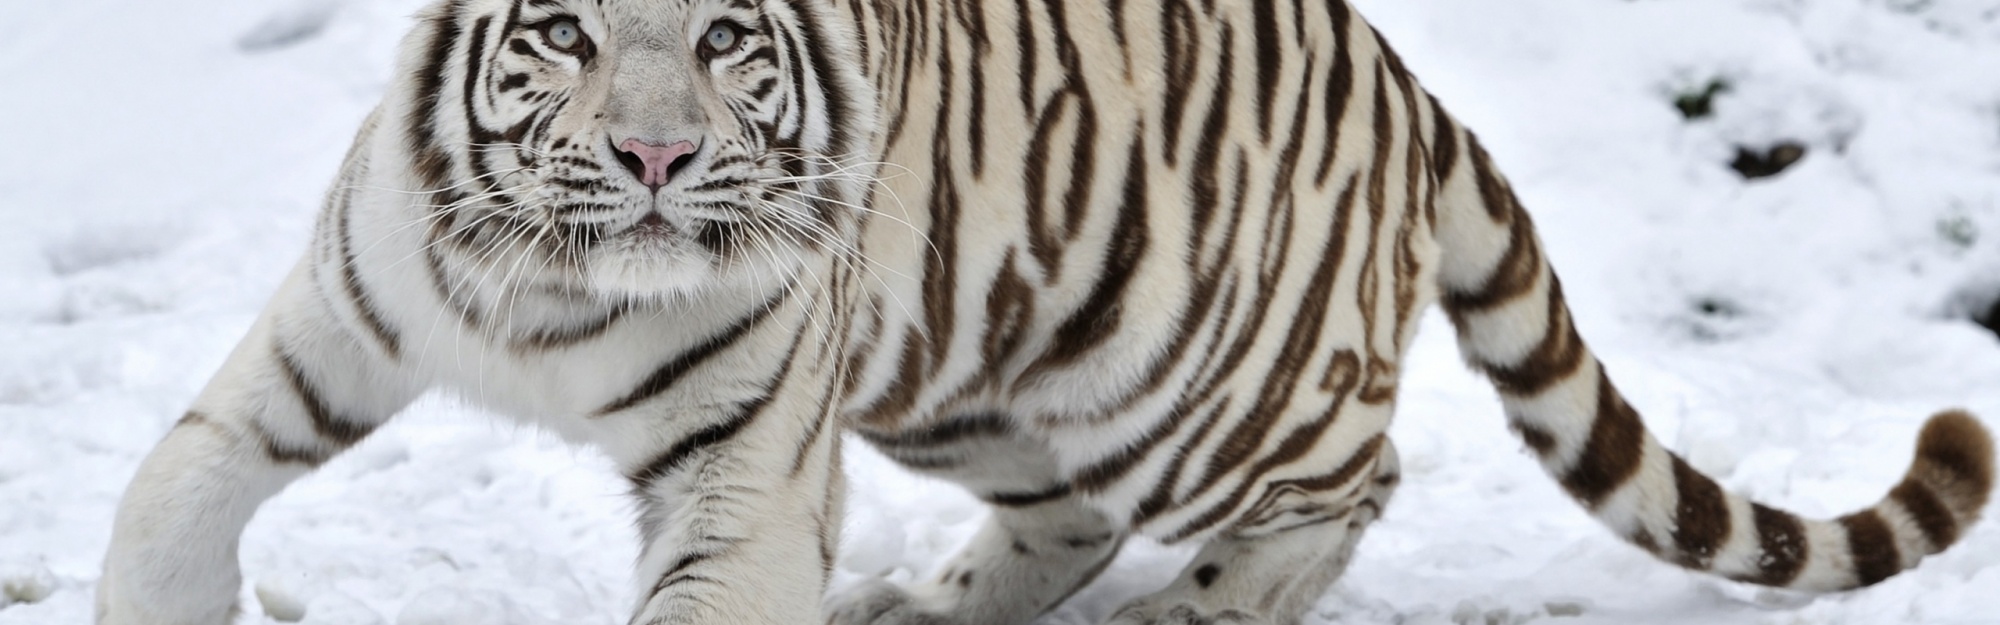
1754	163
1978	302
1988	316
30	585
1713	318
1699	102
1958	231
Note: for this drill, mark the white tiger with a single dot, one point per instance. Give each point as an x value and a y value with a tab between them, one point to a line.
1151	268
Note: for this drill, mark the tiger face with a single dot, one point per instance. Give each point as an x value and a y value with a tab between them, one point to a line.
647	148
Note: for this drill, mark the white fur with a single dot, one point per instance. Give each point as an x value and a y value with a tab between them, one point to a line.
746	508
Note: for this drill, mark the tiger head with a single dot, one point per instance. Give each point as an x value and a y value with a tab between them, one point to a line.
641	148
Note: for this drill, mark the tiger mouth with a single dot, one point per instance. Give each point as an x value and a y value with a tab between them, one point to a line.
652	232
652	225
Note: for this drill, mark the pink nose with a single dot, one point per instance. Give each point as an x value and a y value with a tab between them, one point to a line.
656	163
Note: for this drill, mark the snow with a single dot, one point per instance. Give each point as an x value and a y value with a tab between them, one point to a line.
1787	334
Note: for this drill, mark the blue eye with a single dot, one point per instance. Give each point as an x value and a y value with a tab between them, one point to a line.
722	38
564	35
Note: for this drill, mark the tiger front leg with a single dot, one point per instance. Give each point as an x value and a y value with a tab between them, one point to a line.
739	511
1271	569
296	391
734	533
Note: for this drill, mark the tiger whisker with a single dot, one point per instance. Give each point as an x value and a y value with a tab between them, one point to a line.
918	235
438	211
497	211
493	174
821	331
482	257
864	263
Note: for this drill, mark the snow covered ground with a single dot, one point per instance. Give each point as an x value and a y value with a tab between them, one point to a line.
160	163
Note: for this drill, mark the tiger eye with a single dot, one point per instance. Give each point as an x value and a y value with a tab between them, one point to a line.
564	35
722	38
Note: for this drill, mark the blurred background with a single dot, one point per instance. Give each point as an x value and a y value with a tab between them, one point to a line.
1778	222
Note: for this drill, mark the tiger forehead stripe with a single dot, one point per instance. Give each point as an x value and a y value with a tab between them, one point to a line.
429	159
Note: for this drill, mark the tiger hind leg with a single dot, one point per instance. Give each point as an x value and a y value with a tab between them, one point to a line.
1271	573
1040	544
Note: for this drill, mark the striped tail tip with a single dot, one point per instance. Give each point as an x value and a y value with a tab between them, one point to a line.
1955	462
1948	483
1939	498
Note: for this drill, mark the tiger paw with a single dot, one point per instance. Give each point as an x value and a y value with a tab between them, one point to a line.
877	602
118	603
1150	613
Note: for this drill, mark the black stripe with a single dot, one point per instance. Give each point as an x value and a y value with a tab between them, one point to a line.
1781	542
1024	42
475	68
553	338
829	398
1273	399
1701	517
1043	245
1362	457
1444	142
1207	172
428	157
940	299
797	102
1928	511
717	433
191	418
1513	275
342	432
1117	13
351	282
276	451
666	375
1613	453
1023	500
763	88
1873	545
949	432
1182	51
285	454
1082	164
677	573
834	94
975	128
1266	36
1102	312
1339	88
1559	354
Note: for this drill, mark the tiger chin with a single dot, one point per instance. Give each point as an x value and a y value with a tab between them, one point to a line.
1146	267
